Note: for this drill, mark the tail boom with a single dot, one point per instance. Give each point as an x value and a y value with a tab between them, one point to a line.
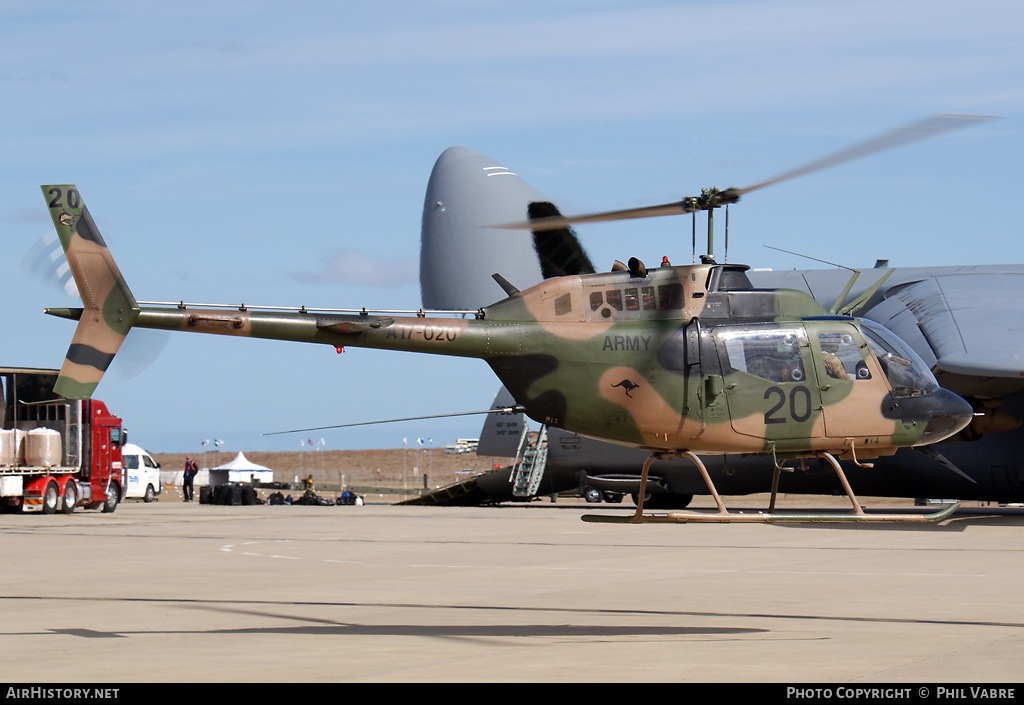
443	336
109	311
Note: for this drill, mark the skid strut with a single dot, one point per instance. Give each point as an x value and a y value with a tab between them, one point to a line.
724	516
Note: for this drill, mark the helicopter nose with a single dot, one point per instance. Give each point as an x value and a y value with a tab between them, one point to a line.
948	414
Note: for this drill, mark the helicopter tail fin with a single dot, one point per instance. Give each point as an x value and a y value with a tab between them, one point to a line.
108	307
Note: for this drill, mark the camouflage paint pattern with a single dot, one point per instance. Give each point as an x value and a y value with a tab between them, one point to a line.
676	358
108	306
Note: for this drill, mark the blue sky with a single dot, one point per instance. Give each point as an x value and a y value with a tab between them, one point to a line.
278	154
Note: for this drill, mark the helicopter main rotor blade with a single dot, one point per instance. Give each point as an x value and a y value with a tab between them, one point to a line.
554	222
922	129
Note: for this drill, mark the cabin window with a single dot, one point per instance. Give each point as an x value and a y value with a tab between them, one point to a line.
727	279
647	295
670	297
773	355
632	300
563	305
733	280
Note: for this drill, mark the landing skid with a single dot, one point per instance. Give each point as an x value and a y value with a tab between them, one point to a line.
692	517
724	516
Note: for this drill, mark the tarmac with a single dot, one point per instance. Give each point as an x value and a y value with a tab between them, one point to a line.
172	592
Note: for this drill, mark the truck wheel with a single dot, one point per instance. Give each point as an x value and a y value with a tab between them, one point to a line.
51	498
113	497
150	494
70	497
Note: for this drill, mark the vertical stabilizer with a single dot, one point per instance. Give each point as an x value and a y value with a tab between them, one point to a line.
502	433
108	307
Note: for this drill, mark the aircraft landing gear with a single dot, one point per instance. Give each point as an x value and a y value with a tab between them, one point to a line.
724	516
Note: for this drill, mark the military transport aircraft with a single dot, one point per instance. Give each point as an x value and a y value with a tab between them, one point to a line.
678	361
948	315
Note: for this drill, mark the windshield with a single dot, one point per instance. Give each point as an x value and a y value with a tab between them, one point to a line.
908	375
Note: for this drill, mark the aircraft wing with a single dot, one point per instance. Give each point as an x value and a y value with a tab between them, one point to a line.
966	326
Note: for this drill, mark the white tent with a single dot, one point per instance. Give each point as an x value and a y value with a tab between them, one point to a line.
240	469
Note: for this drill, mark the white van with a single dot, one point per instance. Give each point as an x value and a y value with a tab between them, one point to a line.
143	473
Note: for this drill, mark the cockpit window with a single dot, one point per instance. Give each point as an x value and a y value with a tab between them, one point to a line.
841	356
907	373
772	355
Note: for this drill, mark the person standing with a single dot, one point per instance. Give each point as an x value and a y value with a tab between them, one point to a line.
191	470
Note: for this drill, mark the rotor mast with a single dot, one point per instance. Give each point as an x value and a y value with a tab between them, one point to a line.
708	200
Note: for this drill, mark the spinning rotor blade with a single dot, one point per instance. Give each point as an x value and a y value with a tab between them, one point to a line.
922	129
502	410
45	262
713	198
687	205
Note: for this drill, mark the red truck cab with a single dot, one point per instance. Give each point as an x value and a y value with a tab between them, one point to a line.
55	453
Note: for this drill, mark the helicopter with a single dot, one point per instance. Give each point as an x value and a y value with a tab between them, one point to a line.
679	361
954	317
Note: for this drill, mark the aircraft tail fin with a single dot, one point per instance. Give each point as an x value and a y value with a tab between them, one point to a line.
108	307
501	433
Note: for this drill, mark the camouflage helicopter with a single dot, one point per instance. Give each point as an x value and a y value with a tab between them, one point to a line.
677	360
